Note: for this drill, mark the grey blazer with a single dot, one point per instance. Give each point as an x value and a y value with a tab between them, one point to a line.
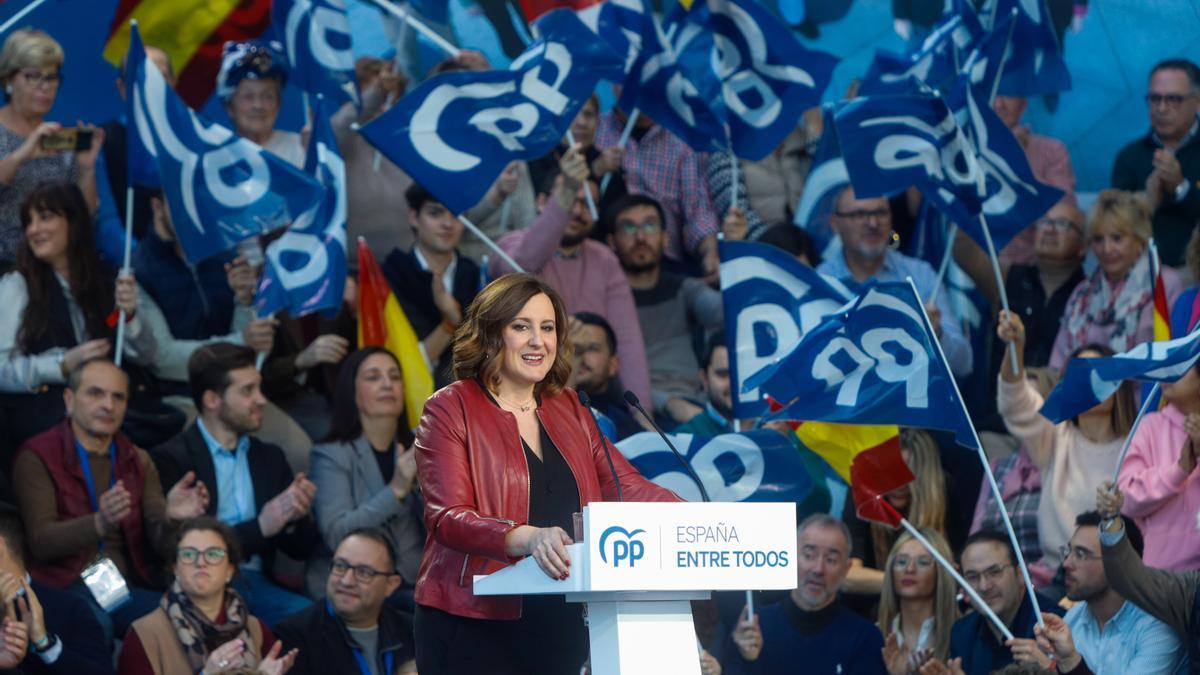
351	494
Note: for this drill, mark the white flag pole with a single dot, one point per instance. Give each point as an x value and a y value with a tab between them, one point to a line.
979	603
587	191
944	267
418	25
987	468
1150	398
125	268
991	247
734	178
20	15
487	241
621	143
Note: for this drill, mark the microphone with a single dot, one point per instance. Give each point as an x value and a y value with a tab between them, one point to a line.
587	404
632	400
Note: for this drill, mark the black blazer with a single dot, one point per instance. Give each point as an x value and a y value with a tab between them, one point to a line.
270	475
83	649
326	646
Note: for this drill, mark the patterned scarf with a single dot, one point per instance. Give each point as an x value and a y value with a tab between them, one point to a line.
1114	308
200	636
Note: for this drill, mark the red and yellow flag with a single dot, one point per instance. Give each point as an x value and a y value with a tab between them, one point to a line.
838	444
1162	311
192	33
381	322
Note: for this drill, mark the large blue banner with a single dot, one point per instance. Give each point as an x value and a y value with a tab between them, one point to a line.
771	300
756	466
305	269
316	39
457	131
875	361
221	188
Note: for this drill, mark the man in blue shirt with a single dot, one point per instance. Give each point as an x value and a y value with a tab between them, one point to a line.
1113	635
865	228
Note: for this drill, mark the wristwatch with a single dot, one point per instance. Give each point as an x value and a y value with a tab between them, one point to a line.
47	643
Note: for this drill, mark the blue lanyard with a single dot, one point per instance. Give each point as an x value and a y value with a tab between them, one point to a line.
389	658
86	469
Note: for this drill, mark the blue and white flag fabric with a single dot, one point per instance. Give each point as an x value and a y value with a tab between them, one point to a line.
140	166
316	39
221	188
657	84
767	78
1087	382
456	132
305	269
825	181
755	466
1035	63
619	23
934	63
771	300
875	361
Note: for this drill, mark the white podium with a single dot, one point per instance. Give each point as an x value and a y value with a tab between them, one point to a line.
640	564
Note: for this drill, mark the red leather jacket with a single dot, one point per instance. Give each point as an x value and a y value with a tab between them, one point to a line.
476	485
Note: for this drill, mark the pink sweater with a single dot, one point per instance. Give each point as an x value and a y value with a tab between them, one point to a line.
590	281
1161	498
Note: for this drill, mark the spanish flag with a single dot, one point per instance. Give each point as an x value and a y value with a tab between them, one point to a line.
1162	311
192	33
838	444
382	323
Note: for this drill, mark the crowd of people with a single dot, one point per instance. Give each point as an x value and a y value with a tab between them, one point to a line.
233	493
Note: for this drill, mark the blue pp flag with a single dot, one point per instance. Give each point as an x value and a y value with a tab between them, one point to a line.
1087	382
934	63
766	77
1035	63
139	160
620	24
457	131
825	181
771	300
221	188
316	38
875	361
305	269
756	466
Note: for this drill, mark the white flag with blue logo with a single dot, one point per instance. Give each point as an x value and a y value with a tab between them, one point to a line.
771	300
221	188
316	39
755	466
305	269
456	132
875	361
763	77
1086	382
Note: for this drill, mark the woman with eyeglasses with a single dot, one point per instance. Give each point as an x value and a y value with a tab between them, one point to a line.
1072	456
203	625
31	73
1114	305
917	607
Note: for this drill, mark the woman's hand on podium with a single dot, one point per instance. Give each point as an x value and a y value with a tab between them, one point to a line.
547	545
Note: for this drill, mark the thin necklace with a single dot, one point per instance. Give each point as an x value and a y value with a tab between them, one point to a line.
523	407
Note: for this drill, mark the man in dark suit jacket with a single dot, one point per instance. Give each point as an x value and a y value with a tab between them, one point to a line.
252	488
433	283
64	636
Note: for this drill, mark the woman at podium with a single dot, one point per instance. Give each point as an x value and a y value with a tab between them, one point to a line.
505	456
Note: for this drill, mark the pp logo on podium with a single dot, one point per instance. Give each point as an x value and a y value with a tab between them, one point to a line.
625	546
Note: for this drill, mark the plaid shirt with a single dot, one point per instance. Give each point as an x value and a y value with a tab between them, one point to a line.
1021	484
663	167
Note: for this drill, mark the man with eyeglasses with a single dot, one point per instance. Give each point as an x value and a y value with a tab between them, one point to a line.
1112	635
354	629
990	566
556	248
865	228
671	308
1165	163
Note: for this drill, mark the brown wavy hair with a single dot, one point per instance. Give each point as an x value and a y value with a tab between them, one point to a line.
479	340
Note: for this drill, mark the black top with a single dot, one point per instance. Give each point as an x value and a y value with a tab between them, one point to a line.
553	492
386	461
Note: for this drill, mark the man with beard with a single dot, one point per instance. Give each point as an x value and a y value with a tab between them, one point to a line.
354	629
596	371
865	228
586	273
252	488
671	307
810	626
717	415
1112	634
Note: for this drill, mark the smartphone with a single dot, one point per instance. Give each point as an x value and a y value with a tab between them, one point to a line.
72	139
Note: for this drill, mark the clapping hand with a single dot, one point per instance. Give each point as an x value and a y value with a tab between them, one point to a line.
188	498
274	664
287	506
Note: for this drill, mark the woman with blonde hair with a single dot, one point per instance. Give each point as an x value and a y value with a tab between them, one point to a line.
917	607
1114	305
31	74
922	502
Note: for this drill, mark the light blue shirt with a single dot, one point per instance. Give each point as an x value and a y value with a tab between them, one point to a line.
235	489
897	267
1132	642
